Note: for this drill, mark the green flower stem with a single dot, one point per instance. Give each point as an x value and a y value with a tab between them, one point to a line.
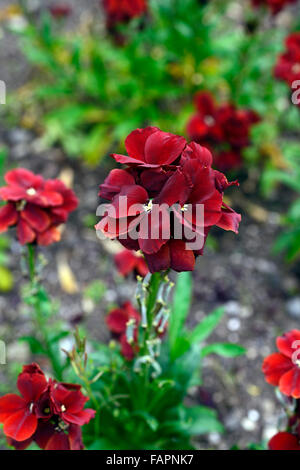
39	315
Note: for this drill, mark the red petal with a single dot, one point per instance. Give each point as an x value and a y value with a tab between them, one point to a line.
212	209
174	190
9	404
274	366
12	193
114	182
163	148
289	342
25	233
8	216
198	152
35	217
289	384
31	386
24	178
205	103
80	418
230	219
182	259
159	261
75	437
155	229
51	235
58	441
284	441
20	425
129	201
136	141
116	320
125	262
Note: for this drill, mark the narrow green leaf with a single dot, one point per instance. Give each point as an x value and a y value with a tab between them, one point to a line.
207	326
181	306
223	349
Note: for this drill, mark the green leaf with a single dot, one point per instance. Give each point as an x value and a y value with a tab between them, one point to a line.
207	326
35	346
223	349
180	309
201	420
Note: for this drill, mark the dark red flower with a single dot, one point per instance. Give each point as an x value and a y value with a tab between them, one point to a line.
223	129
35	206
116	321
122	11
226	161
288	64
117	318
149	206
128	262
49	413
19	413
274	5
60	10
284	441
282	369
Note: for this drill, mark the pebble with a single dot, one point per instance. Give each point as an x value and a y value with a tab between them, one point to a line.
293	307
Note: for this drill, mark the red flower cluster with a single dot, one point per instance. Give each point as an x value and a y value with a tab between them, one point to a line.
282	368
60	10
122	11
274	5
288	64
116	321
223	129
127	262
35	206
47	412
164	172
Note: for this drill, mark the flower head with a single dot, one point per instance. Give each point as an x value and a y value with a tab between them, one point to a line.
284	441
282	368
117	320
35	206
128	262
167	197
287	67
224	129
122	11
47	412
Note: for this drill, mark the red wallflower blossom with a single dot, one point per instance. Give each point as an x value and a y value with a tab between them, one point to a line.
282	369
49	413
224	129
288	65
284	441
35	206
116	321
128	262
274	5
60	10
122	11
19	413
165	172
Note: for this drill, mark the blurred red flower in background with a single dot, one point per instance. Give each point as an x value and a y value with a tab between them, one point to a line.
48	412
116	321
35	206
223	129
282	369
284	441
164	171
127	262
274	5
288	64
60	10
122	11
